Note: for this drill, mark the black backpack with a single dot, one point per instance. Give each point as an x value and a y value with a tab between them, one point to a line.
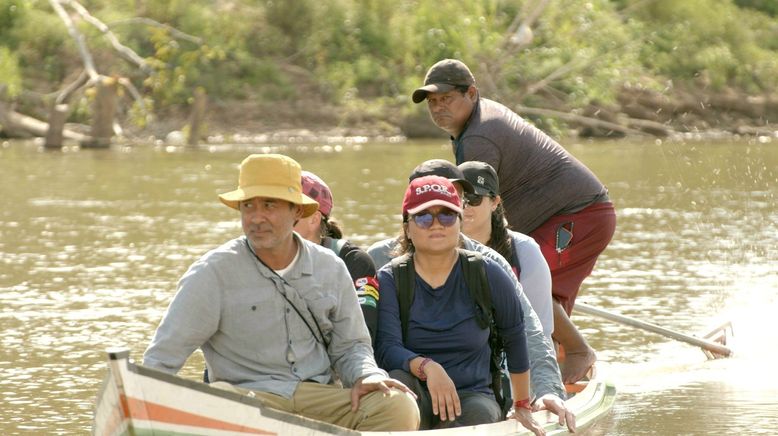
478	285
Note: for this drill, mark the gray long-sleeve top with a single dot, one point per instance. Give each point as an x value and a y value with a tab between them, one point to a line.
231	306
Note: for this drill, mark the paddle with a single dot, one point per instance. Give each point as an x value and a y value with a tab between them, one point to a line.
711	349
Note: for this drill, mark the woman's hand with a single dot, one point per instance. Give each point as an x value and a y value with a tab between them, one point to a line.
524	416
557	406
445	401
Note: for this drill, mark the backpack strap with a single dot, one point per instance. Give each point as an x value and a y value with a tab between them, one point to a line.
405	283
475	276
478	285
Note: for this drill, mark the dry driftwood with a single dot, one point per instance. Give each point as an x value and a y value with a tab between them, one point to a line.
593	122
15	124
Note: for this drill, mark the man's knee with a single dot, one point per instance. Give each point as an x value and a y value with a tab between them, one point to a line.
394	412
403	408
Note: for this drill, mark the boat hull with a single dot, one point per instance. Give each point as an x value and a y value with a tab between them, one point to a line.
135	400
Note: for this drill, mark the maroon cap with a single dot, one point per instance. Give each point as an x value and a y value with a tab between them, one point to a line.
443	77
428	191
315	188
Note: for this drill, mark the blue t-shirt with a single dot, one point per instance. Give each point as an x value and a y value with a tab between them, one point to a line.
442	325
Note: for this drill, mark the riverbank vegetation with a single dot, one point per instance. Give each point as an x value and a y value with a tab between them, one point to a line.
601	67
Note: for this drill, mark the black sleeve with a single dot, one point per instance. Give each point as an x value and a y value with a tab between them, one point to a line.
362	269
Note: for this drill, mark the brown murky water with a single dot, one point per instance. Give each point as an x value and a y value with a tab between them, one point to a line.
92	243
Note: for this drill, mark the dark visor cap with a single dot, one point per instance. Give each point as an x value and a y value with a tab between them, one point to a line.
442	168
443	77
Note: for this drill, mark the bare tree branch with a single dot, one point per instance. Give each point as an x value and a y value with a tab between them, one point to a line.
127	84
78	37
581	119
64	95
153	23
572	65
126	52
519	33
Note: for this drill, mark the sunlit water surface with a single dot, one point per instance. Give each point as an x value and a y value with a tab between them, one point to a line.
92	243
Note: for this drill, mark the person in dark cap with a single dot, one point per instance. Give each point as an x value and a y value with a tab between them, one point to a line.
547	388
547	193
484	221
383	251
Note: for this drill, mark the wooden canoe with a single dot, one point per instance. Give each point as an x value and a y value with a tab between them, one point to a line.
135	400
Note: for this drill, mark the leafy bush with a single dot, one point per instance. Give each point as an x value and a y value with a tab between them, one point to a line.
9	72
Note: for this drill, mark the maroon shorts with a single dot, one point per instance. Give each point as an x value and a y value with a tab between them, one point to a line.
571	244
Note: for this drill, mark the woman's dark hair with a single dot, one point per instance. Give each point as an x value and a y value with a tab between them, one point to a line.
499	239
331	228
404	243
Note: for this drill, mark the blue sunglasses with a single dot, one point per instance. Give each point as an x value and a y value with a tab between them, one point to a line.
446	218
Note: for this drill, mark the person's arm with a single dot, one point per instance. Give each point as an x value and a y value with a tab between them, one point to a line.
390	349
381	251
544	370
349	349
535	279
362	270
190	320
510	324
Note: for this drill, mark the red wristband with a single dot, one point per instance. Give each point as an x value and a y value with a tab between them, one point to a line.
422	374
522	404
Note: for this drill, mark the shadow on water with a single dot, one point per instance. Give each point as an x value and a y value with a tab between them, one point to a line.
92	243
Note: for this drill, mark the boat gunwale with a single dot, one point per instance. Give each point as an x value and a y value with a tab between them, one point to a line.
604	403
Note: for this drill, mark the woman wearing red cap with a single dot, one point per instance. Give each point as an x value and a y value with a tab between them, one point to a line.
442	352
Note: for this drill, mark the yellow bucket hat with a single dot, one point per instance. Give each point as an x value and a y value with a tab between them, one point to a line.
271	176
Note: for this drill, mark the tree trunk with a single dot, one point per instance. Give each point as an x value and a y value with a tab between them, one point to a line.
104	110
54	135
196	117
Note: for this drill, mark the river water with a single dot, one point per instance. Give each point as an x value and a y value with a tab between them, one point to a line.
92	243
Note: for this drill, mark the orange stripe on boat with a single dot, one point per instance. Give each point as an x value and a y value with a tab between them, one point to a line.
139	409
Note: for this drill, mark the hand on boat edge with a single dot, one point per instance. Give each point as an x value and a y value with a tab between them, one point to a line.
524	416
376	382
557	406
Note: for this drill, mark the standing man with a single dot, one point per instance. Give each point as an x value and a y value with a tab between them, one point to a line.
548	194
274	313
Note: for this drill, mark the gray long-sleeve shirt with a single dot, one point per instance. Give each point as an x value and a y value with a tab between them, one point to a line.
545	377
231	306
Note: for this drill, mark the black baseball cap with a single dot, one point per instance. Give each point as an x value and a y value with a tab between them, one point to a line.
442	168
443	77
482	176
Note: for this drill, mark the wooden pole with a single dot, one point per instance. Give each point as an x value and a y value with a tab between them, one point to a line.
196	116
55	132
713	347
104	110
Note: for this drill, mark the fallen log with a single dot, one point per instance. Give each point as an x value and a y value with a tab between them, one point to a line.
15	124
653	128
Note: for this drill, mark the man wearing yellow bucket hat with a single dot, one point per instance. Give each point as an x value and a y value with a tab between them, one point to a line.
274	314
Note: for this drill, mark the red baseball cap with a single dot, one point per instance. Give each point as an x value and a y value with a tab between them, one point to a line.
427	191
315	188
